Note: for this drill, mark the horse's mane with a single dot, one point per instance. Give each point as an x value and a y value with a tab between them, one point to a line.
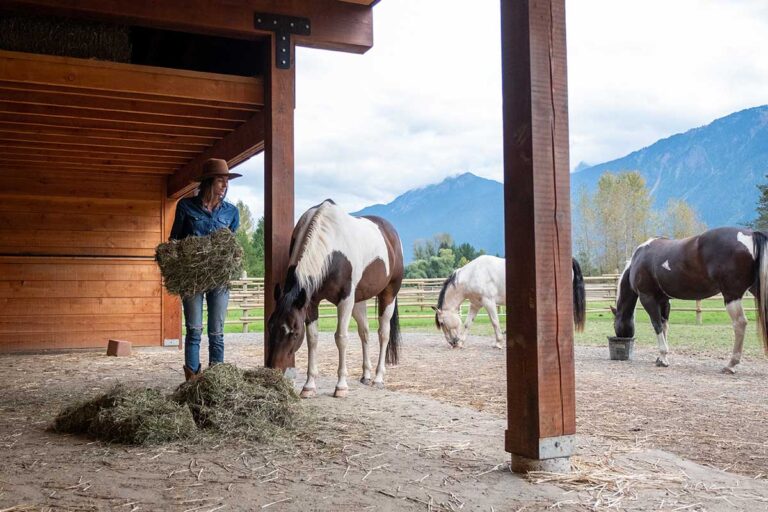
448	282
313	259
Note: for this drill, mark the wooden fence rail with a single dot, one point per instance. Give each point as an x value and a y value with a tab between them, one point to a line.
417	296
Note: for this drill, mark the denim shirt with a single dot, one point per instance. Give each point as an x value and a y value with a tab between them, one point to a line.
194	220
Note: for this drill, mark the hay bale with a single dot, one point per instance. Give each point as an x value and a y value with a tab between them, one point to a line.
65	37
199	263
255	405
129	416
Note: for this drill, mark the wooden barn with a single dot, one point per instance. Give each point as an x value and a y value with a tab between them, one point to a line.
109	108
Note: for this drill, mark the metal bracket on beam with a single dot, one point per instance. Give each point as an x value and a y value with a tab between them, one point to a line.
283	27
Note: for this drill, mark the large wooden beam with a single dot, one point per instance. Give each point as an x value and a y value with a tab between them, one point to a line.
335	25
235	148
278	181
143	81
540	371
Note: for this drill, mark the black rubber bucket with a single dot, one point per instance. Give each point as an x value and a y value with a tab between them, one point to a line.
620	348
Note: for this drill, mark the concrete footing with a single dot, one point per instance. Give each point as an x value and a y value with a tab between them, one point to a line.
522	464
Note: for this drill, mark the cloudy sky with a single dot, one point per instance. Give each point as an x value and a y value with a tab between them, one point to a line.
425	102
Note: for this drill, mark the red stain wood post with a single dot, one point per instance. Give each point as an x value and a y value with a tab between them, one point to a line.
540	370
278	179
170	304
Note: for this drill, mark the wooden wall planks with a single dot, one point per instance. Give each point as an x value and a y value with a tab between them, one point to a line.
96	278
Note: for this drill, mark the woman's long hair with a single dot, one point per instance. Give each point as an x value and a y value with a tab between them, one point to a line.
205	191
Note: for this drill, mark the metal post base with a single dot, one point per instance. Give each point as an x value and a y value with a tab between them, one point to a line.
522	464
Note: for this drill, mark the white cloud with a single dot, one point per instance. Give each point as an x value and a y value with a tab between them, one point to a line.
425	102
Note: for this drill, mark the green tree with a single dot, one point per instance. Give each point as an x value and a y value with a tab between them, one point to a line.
257	241
681	220
586	235
623	215
761	222
246	218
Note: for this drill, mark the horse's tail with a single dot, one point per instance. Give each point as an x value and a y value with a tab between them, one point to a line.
393	348
579	298
760	241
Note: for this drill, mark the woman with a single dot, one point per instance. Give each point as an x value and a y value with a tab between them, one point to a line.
198	216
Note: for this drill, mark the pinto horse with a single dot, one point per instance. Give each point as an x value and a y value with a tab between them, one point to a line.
345	260
483	282
723	260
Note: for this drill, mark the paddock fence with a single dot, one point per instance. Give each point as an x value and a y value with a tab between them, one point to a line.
417	296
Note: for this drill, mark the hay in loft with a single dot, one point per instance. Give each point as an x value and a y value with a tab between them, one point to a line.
65	37
255	405
129	416
200	263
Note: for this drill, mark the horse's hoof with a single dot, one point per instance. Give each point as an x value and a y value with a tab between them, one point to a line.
308	392
498	347
728	370
340	393
378	385
661	363
365	381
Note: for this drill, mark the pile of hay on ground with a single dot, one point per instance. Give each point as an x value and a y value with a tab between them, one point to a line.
255	405
200	263
130	416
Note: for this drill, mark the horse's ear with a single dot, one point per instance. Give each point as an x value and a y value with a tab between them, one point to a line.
301	299
435	309
277	292
613	310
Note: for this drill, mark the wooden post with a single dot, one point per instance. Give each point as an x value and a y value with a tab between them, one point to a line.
170	305
245	300
278	179
540	370
698	312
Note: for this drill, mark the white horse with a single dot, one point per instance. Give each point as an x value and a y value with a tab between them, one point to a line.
482	281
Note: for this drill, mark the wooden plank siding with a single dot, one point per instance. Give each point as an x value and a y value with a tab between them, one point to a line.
76	259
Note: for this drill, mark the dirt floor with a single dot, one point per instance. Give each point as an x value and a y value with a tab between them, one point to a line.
680	438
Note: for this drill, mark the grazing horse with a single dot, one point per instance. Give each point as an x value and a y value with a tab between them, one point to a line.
723	260
345	260
483	282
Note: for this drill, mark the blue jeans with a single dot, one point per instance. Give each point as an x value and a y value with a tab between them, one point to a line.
218	298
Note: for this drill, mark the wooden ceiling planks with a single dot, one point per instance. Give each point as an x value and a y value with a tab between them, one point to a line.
74	114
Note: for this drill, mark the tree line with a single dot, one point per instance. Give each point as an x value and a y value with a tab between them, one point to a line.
439	256
251	237
612	221
608	224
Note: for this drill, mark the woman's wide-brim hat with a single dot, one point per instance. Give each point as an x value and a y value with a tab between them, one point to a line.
214	167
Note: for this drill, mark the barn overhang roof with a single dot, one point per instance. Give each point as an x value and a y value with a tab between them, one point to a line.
102	116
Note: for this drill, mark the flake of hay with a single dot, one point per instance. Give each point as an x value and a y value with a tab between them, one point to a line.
130	416
256	405
200	263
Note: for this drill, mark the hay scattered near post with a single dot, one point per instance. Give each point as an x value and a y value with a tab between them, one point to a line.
255	405
130	416
200	263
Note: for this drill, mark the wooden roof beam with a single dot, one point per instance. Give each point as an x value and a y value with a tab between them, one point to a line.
241	144
341	26
138	80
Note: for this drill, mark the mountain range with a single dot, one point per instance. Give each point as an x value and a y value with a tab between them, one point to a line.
715	168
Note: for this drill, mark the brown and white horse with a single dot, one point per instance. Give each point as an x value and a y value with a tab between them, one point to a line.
345	260
723	260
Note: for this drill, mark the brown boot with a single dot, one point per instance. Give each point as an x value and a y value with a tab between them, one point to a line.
189	374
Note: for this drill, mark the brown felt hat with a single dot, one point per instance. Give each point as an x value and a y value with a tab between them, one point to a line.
215	167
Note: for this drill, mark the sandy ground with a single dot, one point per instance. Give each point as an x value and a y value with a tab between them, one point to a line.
432	441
